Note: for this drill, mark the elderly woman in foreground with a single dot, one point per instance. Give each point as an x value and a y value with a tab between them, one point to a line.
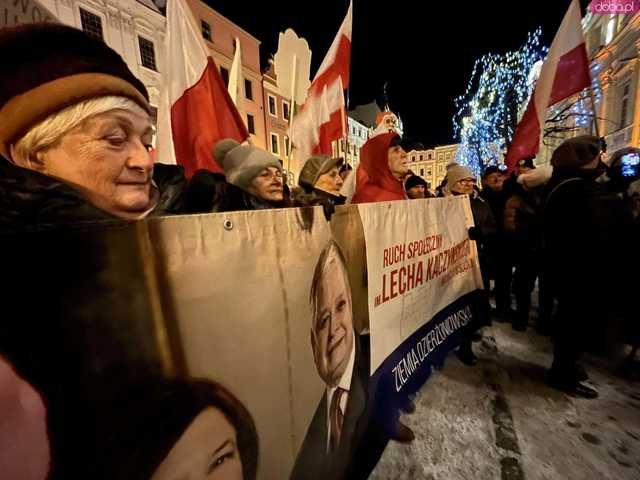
75	133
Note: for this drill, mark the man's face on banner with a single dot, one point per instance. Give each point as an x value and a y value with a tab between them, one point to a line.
332	328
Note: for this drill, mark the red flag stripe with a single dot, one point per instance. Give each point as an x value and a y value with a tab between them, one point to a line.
203	115
572	74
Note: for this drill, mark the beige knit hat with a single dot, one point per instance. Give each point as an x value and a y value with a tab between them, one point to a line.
242	163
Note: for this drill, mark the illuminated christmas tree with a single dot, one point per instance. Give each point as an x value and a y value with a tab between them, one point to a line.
494	101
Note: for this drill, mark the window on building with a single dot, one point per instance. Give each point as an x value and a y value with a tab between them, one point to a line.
224	73
147	53
287	145
251	124
420	157
440	157
624	109
248	90
206	30
285	110
91	24
272	106
422	172
274	144
447	155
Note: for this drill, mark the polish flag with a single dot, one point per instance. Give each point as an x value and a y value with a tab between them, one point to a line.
323	117
195	107
565	72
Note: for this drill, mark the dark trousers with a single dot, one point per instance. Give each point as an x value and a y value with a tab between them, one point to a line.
528	268
569	344
502	266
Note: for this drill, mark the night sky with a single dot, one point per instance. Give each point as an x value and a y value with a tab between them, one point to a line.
424	49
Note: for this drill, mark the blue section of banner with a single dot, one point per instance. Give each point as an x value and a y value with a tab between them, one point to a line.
407	369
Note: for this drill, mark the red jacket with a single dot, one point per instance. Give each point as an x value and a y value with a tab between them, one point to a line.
376	183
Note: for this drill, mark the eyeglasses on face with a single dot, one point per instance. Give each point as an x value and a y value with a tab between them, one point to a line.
269	174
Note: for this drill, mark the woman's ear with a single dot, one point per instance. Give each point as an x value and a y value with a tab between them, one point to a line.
34	161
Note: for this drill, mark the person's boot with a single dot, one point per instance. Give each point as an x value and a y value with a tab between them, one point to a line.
466	355
519	323
580	373
568	384
403	433
410	406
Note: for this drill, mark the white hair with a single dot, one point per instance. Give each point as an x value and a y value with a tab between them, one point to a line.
49	131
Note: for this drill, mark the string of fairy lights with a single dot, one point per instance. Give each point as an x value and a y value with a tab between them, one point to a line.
493	102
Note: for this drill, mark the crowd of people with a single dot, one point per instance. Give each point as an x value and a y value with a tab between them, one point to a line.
75	141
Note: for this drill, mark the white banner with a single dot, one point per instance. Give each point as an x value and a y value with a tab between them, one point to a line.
420	260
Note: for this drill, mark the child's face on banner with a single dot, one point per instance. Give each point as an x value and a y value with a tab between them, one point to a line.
332	333
206	450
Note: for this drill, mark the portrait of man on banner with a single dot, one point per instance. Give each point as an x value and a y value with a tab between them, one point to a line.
339	421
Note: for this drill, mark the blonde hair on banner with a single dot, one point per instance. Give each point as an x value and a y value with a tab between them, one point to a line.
48	132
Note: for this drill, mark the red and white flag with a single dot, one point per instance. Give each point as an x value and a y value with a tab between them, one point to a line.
195	107
323	117
565	72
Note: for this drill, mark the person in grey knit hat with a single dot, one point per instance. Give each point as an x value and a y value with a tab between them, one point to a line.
460	180
254	177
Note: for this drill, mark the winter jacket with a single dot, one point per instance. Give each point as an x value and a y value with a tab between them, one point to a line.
377	183
30	200
302	198
236	200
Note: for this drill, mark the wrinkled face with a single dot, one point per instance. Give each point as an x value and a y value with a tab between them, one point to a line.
206	450
330	182
106	158
416	192
494	181
332	328
397	161
268	185
464	186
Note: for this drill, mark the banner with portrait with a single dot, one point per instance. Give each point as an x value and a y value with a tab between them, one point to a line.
234	343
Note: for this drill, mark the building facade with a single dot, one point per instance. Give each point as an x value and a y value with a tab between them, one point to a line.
432	164
349	148
277	115
219	34
613	47
135	29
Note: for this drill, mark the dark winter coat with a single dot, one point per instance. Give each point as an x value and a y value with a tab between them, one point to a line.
31	200
236	200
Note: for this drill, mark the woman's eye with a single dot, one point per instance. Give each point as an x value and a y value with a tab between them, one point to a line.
116	141
219	461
